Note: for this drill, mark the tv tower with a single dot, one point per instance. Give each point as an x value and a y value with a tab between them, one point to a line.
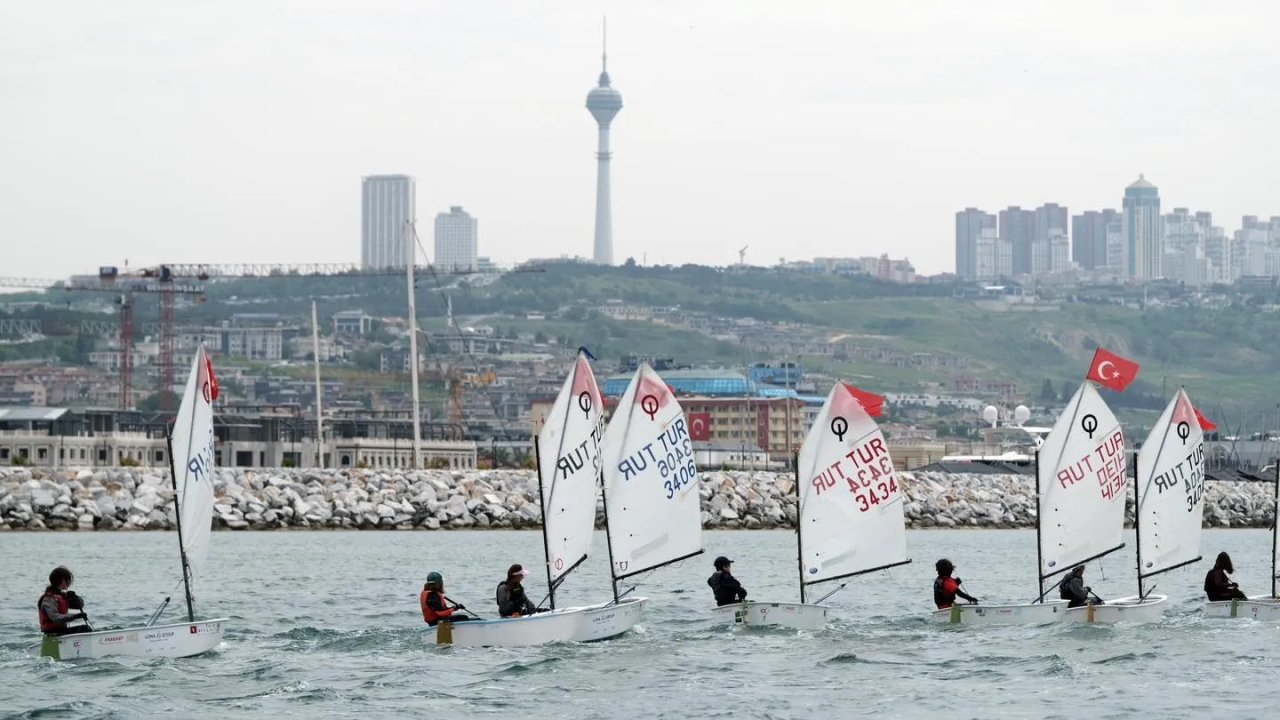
604	102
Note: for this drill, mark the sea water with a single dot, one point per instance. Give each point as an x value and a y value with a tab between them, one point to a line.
326	624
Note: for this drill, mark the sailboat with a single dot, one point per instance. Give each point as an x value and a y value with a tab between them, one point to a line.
653	509
849	516
1259	607
568	451
1169	510
191	464
1080	481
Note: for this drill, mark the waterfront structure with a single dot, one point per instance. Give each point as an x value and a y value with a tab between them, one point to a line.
61	437
387	205
457	241
604	102
1143	236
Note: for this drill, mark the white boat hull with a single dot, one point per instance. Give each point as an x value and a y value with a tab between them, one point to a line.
768	614
1126	609
601	622
172	640
1260	607
1049	611
573	624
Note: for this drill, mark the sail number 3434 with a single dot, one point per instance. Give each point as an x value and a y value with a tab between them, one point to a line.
870	479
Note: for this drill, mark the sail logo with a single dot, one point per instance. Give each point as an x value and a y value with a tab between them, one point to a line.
1188	474
668	452
870	478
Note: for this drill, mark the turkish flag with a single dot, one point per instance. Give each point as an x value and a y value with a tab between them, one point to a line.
1205	423
1112	371
700	426
871	402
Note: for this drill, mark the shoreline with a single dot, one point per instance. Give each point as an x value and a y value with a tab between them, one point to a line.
287	499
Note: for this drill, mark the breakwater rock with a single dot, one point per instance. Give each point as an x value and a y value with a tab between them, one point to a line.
266	499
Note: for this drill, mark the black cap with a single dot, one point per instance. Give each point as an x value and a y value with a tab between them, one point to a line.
723	562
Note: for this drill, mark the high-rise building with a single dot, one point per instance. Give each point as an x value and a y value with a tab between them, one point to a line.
1017	227
1117	256
1089	238
1049	233
387	206
1218	254
457	240
970	223
604	102
1143	237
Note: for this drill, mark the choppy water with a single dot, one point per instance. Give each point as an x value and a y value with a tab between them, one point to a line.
327	624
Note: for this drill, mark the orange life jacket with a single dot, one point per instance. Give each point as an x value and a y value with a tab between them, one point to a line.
47	624
428	614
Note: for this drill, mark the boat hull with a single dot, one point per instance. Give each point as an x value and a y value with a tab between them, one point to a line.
1260	607
796	616
573	624
172	640
601	622
1049	611
1126	609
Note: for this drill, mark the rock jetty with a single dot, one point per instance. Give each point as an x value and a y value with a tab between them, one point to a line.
269	499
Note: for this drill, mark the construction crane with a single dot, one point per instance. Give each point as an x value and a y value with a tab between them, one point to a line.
125	284
742	255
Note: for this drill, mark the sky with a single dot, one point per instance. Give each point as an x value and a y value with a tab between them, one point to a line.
149	131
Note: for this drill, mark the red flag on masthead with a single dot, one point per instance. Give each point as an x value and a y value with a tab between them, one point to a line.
1205	423
871	402
1112	371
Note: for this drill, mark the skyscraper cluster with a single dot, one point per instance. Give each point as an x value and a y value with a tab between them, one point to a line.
1136	242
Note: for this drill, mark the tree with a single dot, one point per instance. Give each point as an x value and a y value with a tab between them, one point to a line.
1067	390
1046	392
540	338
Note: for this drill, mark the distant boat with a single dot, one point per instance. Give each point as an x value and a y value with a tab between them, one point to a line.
849	516
568	450
191	463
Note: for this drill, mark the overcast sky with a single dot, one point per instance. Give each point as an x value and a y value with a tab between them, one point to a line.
238	131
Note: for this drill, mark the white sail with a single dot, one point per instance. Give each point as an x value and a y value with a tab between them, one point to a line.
568	465
1171	490
191	446
650	480
851	517
1082	479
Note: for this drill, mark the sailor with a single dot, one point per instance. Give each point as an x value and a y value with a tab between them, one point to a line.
512	602
1073	589
1218	584
437	607
726	587
59	606
946	588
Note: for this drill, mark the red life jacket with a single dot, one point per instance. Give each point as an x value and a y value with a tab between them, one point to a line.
433	616
47	623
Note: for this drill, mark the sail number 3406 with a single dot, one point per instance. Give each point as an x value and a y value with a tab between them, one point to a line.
677	469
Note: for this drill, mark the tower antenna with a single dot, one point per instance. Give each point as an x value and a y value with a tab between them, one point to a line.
604	46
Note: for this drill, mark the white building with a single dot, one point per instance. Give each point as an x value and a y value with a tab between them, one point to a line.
1117	258
993	255
1217	249
457	240
388	204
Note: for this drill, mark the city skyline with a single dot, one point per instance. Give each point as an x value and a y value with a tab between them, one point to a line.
736	134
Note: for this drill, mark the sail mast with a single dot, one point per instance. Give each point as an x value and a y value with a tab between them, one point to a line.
1039	513
177	508
1275	529
546	544
608	539
795	465
1137	521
